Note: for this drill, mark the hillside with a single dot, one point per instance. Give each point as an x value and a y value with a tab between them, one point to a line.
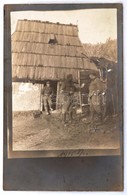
107	50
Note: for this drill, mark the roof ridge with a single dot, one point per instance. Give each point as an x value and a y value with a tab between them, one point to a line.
48	22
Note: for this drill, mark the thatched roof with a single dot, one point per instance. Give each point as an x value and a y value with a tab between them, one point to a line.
44	50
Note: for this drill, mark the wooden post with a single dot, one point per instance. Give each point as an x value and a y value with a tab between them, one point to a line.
80	97
41	103
57	96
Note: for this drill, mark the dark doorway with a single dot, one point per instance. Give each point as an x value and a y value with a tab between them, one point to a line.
54	86
84	78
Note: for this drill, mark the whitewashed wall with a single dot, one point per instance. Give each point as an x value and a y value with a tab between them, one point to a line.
25	96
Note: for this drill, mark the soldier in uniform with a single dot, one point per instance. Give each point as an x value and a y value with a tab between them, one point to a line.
97	97
47	93
68	89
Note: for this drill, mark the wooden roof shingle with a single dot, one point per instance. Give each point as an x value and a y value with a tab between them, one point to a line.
34	57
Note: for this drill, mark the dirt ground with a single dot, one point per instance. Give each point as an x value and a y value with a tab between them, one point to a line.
46	132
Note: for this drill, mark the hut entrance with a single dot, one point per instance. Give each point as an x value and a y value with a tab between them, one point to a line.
84	78
54	86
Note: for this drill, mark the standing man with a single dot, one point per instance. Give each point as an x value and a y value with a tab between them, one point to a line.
96	97
68	89
47	93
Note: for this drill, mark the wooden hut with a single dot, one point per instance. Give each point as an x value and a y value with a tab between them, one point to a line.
44	51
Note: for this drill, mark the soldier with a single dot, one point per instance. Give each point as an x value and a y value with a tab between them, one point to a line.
96	97
68	89
47	93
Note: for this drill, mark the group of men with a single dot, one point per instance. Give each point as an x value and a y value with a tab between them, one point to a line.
68	89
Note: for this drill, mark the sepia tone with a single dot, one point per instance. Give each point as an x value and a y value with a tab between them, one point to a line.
65	100
35	59
45	51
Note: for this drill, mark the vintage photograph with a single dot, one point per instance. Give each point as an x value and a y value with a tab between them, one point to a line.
63	97
65	81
